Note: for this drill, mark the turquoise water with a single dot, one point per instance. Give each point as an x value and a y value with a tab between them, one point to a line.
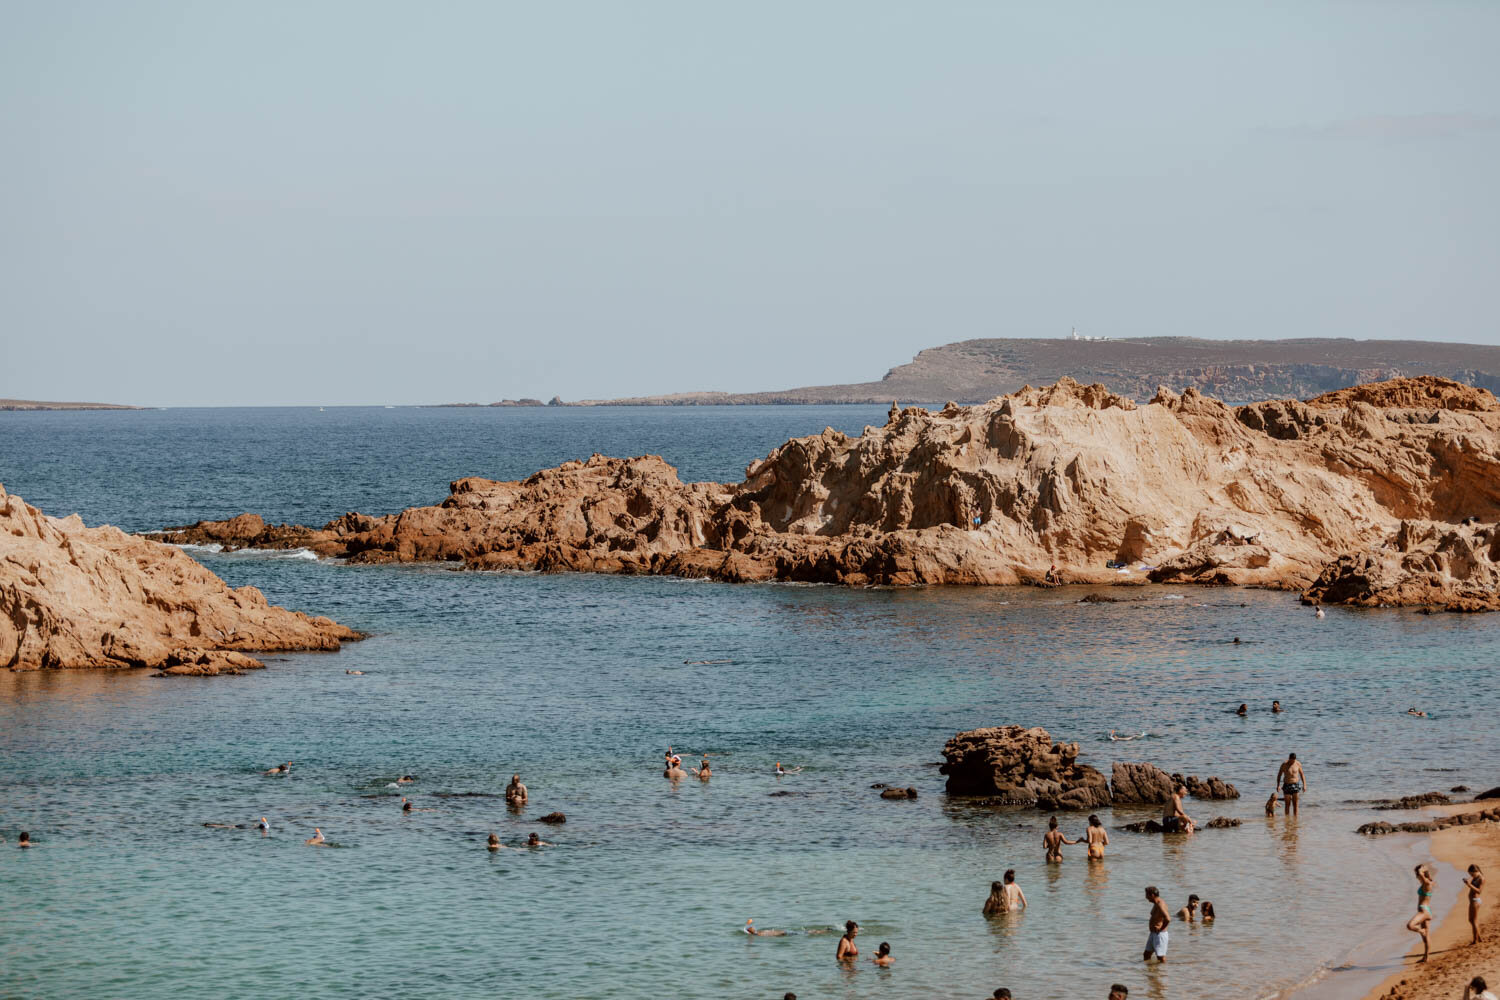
579	683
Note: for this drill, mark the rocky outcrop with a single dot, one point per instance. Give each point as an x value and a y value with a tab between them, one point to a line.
898	793
1146	784
1152	826
73	596
1140	784
1018	766
1414	801
1358	499
1380	827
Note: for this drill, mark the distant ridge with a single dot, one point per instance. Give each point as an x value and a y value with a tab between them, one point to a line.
1237	371
37	404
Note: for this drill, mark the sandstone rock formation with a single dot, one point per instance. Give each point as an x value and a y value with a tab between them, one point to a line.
1359	497
72	596
1019	766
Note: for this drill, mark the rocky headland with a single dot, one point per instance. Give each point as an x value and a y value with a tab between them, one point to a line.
73	596
1385	494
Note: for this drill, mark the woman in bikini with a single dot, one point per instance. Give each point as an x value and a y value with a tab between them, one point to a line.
1422	922
1098	839
846	949
1474	883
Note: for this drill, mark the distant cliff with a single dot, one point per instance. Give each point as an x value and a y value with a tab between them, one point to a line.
1239	371
37	404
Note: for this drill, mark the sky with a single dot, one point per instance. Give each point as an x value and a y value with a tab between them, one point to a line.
335	203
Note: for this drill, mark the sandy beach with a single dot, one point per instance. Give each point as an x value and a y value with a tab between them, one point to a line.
1454	961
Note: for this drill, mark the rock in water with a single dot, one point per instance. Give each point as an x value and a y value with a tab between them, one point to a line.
72	596
1022	766
1385	494
553	817
1211	788
1140	784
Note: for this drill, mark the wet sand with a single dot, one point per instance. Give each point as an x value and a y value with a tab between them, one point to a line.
1454	960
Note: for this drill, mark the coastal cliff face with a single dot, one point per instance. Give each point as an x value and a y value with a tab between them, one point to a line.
73	596
1358	495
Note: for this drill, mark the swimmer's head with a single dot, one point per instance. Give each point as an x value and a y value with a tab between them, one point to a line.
1192	900
1151	892
996	886
1010	875
494	839
533	839
1094	820
851	928
1052	823
884	949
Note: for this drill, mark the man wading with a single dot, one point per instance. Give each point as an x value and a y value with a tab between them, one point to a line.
1293	782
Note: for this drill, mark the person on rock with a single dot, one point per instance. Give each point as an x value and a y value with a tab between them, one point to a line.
1054	840
515	792
1157	924
1097	837
1174	818
1293	782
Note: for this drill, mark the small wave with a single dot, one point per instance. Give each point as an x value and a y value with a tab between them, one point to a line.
193	547
249	553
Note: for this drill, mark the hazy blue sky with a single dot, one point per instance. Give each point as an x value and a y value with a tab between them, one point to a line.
422	202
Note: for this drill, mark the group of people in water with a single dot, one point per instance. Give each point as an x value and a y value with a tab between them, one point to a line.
516	796
1421	922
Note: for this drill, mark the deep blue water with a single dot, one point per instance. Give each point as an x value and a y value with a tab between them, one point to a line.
579	682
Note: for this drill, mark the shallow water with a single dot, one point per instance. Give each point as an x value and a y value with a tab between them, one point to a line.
579	683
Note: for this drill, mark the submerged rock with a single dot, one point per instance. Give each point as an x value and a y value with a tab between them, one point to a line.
1414	801
553	817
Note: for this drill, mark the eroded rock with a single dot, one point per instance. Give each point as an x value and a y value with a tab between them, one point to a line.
1020	766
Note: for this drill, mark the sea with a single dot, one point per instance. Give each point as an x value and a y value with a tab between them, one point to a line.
150	880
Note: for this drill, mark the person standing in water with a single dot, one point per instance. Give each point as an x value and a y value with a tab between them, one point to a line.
1097	837
1006	896
1293	782
515	792
847	949
1474	883
1189	912
1054	840
493	843
1157	924
1276	707
882	955
24	840
1422	922
1174	818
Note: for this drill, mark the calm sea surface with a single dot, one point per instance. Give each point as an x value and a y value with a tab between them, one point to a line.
580	682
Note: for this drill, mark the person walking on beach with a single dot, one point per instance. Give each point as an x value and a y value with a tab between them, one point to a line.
515	792
847	950
1054	840
1005	896
1098	839
1422	922
1474	883
1293	782
1157	923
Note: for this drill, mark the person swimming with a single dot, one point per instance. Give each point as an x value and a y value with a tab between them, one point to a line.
405	805
1206	912
780	770
847	949
282	769
493	843
1189	912
1414	711
770	932
264	826
405	779
317	839
24	840
1319	613
882	956
1127	739
1242	710
355	673
535	841
1097	838
1276	707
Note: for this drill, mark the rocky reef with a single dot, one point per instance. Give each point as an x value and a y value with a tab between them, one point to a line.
1387	493
73	596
